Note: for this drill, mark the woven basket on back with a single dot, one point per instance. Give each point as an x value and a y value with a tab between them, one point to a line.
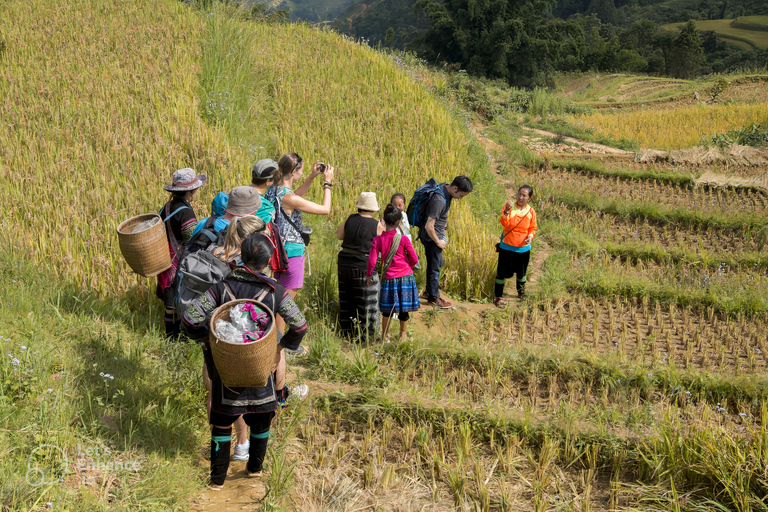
243	365
146	252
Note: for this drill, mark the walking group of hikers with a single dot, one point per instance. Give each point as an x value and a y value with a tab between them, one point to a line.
253	246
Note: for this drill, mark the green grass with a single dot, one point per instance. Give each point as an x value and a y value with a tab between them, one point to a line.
59	344
751	23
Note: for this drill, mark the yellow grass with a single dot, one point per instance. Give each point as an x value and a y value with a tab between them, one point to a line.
99	108
672	128
101	104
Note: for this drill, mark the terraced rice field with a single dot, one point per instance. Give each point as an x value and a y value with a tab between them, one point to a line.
725	29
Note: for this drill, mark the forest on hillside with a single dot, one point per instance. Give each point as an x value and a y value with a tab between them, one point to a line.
526	42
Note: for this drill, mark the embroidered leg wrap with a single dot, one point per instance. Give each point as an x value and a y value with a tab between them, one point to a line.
221	441
258	450
498	289
521	286
172	325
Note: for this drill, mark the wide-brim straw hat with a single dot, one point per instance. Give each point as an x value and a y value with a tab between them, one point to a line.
367	201
243	201
184	180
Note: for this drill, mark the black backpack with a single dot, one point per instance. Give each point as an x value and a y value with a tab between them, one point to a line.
198	268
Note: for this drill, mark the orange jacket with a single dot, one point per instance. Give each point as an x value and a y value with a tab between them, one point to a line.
518	224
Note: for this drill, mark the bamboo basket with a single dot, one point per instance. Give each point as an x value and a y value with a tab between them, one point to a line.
145	252
243	365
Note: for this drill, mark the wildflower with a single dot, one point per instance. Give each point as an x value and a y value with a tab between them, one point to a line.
15	361
23	347
50	390
743	414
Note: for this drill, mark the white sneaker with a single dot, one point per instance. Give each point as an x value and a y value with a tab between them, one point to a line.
300	392
241	451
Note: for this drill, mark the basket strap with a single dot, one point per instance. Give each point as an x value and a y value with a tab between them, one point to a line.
263	294
258	298
229	291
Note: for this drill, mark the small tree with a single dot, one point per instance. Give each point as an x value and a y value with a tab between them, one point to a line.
687	53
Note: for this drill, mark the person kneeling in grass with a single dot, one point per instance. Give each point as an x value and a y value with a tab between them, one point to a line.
399	293
257	405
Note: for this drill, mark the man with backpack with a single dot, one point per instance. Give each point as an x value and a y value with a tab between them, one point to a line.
429	211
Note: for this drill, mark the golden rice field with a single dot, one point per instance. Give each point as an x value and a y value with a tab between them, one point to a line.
672	128
102	103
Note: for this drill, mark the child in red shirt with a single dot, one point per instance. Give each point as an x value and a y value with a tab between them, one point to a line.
399	293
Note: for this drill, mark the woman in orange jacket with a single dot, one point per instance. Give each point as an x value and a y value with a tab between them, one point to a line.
519	222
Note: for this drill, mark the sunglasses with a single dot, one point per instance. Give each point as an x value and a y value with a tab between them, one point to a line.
298	163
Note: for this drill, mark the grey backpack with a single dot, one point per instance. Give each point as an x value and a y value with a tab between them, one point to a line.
197	272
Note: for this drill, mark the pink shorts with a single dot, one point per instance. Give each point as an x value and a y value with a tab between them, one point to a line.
293	278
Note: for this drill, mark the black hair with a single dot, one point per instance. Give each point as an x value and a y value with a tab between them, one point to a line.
360	210
256	251
462	183
528	188
260	181
397	194
392	215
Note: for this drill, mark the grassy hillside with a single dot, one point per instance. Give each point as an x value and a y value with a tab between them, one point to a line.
631	377
725	29
115	135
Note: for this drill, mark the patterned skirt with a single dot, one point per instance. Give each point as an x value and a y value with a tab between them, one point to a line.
399	294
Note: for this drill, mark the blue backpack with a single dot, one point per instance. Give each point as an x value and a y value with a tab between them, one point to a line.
417	207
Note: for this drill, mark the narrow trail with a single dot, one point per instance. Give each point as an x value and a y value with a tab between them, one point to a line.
242	492
592	146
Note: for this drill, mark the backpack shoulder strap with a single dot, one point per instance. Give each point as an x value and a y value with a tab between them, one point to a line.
177	210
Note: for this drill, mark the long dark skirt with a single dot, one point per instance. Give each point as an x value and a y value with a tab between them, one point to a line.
358	303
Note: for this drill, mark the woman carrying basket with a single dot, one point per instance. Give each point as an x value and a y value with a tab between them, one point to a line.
519	222
180	222
257	405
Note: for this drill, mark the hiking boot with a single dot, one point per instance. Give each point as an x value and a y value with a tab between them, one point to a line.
241	451
498	302
440	303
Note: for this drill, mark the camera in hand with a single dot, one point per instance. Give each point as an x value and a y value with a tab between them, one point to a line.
306	232
323	167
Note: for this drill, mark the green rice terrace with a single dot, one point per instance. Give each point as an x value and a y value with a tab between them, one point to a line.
748	32
632	376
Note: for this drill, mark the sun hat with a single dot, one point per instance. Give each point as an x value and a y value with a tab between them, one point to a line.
185	179
264	169
243	201
367	202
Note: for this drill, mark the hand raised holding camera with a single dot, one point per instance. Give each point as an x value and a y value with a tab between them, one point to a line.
317	169
328	173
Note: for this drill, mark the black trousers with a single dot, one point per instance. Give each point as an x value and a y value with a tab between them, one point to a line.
510	264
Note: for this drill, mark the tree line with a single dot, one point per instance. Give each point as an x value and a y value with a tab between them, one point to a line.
525	42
